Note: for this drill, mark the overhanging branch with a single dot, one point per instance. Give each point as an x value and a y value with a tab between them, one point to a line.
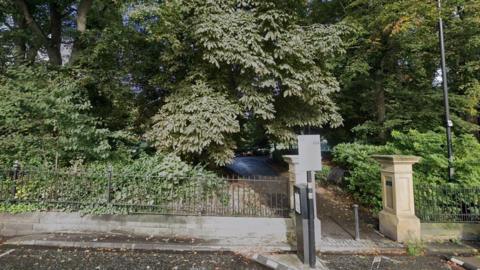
30	21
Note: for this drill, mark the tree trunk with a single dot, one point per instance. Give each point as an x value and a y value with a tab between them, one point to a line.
56	34
53	53
82	12
20	47
381	111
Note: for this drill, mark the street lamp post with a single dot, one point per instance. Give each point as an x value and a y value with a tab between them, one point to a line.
448	122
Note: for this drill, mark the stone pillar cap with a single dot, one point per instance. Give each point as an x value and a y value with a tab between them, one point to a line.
396	158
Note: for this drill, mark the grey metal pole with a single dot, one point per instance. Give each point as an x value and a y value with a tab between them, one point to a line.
357	222
15	176
448	122
109	184
311	221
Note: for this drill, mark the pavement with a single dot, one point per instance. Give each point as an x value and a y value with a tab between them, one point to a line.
129	242
335	210
352	255
139	243
364	246
285	261
63	250
183	254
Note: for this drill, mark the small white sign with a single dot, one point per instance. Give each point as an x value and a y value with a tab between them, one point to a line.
309	151
297	203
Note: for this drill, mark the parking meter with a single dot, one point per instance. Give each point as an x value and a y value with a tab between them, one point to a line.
301	221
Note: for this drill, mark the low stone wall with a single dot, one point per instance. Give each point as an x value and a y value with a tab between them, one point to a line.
257	229
447	231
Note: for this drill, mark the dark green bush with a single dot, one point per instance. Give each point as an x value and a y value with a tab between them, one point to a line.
46	117
321	176
431	147
148	180
363	173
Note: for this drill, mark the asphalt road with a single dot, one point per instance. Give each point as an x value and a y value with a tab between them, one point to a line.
13	257
351	262
47	258
252	166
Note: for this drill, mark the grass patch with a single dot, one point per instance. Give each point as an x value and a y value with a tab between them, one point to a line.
415	248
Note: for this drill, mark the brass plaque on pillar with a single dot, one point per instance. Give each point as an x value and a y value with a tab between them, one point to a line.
389	191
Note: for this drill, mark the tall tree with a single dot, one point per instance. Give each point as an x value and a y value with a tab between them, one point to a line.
45	20
259	56
87	46
389	76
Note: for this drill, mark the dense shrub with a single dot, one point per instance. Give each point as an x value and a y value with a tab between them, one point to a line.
157	179
321	176
363	173
46	116
148	180
42	114
431	147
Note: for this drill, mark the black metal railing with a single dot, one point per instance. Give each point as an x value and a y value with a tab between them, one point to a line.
448	203
110	192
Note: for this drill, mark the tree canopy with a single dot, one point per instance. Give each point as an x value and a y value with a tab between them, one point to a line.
390	75
252	60
88	79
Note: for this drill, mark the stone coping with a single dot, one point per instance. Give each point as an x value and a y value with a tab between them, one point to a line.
396	158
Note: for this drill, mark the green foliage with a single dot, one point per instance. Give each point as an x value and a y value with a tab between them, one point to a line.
363	178
363	173
448	202
415	248
197	121
14	208
148	180
252	136
44	114
431	147
202	78
157	179
81	107
389	75
321	177
255	54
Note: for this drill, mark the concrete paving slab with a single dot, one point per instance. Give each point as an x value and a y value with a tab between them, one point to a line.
128	242
285	261
364	246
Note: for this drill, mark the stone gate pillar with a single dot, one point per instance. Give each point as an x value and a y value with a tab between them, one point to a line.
295	174
397	219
